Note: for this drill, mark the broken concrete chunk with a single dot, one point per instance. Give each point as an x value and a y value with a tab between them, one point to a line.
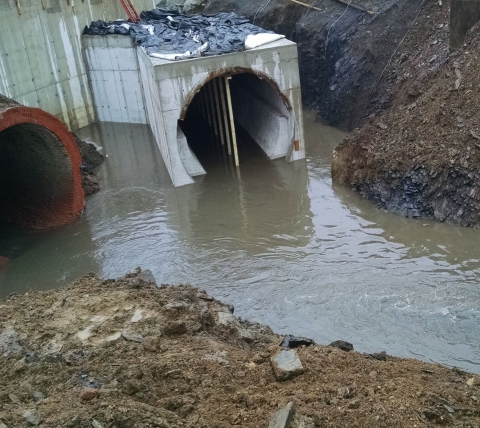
226	318
10	342
32	417
137	316
132	336
282	418
38	396
286	364
300	421
52	347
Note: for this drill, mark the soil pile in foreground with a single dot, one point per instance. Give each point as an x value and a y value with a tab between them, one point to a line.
127	353
421	158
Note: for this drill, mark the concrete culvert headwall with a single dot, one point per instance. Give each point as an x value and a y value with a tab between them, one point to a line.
40	183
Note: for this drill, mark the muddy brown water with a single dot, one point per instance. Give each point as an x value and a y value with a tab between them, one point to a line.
279	242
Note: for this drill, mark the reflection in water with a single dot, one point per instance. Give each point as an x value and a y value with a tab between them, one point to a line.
280	242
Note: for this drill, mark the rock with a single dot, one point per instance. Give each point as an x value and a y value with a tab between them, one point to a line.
341	344
20	365
219	357
176	306
291	342
470	382
300	421
38	396
286	364
52	347
282	418
175	328
132	336
147	276
346	392
32	417
14	399
96	424
227	318
151	343
131	387
88	394
380	356
2	425
354	404
246	335
137	316
10	342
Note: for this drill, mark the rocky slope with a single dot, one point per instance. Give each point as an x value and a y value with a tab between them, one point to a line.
126	353
421	158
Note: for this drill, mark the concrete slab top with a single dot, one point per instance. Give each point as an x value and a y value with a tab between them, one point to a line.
268	46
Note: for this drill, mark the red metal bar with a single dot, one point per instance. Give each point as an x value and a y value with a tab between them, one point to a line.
133	15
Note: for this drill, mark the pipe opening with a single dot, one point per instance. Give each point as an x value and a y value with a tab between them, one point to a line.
36	178
232	117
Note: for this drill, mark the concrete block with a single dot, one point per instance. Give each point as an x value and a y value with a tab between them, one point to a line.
286	364
282	418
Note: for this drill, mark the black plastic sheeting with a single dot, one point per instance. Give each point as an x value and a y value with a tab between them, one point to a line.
166	31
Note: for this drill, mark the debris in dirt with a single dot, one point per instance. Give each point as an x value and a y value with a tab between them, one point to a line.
88	394
95	424
10	342
474	135
382	125
132	336
32	417
2	425
282	417
341	344
137	316
38	396
380	356
183	380
286	364
91	159
291	342
471	381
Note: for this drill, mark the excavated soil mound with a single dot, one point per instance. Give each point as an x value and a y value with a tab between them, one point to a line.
421	158
91	159
127	353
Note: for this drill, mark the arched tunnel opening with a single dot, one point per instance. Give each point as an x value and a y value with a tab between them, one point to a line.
40	183
237	116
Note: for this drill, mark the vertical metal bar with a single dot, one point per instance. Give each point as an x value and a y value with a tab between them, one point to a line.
232	123
219	116
221	83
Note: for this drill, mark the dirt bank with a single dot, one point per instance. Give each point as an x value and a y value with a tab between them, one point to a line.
126	353
342	51
91	159
421	158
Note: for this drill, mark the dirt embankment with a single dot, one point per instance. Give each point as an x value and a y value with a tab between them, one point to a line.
127	353
342	51
421	158
91	159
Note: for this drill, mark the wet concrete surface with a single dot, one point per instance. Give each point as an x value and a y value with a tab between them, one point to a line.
277	241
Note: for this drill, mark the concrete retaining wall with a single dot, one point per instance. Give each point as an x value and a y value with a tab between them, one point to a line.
114	77
41	62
